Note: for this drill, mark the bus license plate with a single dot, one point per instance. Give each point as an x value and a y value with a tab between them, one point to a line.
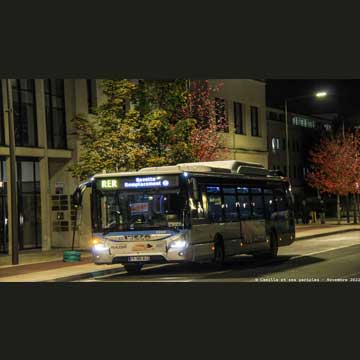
139	258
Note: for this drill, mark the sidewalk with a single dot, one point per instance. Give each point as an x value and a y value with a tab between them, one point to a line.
331	227
39	266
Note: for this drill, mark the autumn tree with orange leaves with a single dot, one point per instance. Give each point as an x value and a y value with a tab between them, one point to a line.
336	167
207	138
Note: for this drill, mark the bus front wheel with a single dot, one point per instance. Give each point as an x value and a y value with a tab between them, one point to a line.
133	269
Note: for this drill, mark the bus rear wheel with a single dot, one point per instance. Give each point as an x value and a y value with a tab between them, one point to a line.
219	254
272	252
133	269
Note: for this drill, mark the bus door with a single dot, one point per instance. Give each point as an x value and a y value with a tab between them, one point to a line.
252	217
258	215
243	196
232	221
281	213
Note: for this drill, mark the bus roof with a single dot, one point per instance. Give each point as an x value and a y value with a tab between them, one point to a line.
224	168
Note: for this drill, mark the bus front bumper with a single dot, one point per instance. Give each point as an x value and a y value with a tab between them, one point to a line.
143	257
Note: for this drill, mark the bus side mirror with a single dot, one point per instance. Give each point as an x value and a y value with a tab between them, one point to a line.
78	193
77	197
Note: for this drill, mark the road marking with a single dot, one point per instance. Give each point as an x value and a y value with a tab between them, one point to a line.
322	251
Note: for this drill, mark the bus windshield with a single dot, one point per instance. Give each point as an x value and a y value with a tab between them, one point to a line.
139	210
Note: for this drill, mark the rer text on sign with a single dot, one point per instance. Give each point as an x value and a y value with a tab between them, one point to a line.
109	184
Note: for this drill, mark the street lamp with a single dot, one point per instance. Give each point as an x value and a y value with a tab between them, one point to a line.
319	94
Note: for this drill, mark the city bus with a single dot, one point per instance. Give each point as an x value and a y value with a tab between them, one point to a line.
190	212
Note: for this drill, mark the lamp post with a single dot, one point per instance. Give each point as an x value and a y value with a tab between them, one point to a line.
319	94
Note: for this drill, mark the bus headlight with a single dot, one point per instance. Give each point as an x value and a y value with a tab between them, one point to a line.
178	244
100	247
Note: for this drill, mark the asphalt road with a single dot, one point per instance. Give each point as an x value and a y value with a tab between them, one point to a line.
333	258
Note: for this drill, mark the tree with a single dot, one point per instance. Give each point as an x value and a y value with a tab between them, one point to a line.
149	123
336	166
111	140
207	138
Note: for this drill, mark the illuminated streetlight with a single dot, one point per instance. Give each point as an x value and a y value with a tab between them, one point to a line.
321	94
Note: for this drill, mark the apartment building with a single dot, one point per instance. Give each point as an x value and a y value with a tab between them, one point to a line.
303	131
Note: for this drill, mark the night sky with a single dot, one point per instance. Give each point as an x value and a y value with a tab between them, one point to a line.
344	98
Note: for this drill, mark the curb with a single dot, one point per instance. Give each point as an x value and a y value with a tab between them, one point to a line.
325	234
84	276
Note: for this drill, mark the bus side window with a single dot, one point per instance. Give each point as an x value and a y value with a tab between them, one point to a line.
244	202
199	207
257	204
230	204
269	203
215	204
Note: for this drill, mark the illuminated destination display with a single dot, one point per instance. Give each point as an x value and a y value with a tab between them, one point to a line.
138	182
146	182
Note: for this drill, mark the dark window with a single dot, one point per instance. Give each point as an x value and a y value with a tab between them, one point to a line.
3	209
294	172
254	121
244	201
268	201
245	209
257	204
284	144
230	204
2	137
220	114
238	118
55	113
29	204
91	95
285	173
24	112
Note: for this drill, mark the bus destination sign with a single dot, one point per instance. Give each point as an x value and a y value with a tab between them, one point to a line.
138	182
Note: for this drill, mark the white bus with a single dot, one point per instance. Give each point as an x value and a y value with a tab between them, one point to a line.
191	212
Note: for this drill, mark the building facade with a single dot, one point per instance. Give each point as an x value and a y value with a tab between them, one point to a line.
303	132
244	104
46	145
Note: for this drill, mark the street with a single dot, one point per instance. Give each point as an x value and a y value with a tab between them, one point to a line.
334	258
